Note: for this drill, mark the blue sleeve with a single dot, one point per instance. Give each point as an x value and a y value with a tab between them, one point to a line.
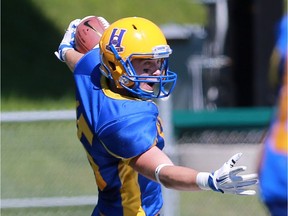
131	135
88	62
282	37
87	77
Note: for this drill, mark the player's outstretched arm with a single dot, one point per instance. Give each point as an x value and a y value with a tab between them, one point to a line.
155	165
171	176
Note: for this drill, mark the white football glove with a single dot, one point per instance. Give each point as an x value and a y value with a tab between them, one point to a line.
226	180
68	40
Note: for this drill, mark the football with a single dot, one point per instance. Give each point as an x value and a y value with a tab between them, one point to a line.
89	32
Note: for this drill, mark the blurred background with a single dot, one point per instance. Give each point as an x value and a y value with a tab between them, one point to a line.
222	103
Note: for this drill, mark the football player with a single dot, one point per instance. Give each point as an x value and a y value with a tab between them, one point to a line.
119	125
273	166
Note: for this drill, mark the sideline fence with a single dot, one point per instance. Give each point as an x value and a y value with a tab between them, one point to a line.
29	116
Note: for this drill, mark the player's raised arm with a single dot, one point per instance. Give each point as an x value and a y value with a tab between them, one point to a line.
66	52
80	37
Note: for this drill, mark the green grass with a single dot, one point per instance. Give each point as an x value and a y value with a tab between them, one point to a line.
211	203
43	159
71	211
33	74
198	204
15	103
184	11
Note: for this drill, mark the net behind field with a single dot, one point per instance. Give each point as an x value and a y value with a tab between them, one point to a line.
45	160
223	136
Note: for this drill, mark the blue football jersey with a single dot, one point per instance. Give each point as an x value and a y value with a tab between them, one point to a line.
113	129
274	167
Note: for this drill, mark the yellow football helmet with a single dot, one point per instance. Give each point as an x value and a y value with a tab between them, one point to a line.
130	38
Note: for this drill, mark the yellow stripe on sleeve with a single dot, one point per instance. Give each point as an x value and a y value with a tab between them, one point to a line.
130	191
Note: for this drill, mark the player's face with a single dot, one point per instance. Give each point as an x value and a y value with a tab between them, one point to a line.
147	67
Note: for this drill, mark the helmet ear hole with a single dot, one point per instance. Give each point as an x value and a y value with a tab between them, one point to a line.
112	65
134	27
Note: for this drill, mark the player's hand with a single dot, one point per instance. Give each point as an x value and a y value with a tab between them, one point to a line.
227	180
68	40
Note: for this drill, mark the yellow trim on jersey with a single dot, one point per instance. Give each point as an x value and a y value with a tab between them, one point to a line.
99	179
130	191
112	94
83	128
114	155
280	137
159	127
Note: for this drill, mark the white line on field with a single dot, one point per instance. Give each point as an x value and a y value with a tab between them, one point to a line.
48	202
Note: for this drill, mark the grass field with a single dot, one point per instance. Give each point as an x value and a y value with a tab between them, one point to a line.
22	103
59	211
191	204
33	77
210	203
43	160
184	11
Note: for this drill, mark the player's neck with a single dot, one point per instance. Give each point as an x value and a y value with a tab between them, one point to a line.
120	91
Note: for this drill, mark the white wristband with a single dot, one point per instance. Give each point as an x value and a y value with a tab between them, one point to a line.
63	53
202	180
157	171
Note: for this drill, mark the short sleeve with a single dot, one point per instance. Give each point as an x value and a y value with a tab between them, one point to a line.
131	135
88	62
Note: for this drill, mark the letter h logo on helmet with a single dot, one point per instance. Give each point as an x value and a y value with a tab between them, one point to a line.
116	39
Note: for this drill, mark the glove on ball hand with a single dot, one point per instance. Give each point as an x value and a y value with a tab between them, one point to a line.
68	40
227	180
